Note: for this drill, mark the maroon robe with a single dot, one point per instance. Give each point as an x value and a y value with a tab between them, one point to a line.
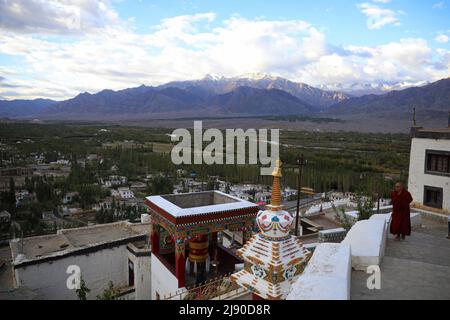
401	213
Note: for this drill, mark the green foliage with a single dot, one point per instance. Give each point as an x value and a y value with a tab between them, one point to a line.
341	161
8	198
365	207
342	218
110	293
83	290
211	185
118	213
161	185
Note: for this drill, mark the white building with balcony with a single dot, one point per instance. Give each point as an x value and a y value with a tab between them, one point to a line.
429	169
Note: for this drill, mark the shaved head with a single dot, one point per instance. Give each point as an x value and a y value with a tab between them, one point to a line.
398	186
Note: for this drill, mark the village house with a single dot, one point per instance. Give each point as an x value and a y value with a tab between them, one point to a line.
114	181
62	162
106	204
138	186
125	193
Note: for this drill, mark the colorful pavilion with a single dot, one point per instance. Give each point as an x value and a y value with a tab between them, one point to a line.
184	237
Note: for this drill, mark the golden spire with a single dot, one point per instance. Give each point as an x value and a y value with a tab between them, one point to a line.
276	190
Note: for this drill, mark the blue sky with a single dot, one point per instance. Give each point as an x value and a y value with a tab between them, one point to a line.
342	20
56	50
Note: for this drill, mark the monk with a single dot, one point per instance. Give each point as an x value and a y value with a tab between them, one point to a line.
401	214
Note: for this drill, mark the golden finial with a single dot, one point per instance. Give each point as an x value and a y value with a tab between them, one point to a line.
277	170
276	190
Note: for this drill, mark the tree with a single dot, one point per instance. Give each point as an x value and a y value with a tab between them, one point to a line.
365	207
110	293
342	218
161	185
211	185
11	196
83	290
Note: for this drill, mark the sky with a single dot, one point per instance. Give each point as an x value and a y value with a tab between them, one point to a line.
59	48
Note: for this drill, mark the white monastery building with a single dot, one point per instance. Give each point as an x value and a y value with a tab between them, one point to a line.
429	170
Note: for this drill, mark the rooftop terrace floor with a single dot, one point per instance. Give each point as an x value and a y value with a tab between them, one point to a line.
415	269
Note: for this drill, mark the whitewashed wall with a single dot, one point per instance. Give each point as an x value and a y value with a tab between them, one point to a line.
417	177
142	276
163	281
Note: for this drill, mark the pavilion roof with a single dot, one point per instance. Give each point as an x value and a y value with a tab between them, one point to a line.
221	207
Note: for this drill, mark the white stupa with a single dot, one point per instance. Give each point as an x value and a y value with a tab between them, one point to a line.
273	259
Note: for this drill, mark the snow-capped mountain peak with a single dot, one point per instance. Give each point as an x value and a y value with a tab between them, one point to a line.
258	76
213	77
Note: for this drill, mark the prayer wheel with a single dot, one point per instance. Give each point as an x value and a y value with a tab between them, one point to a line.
198	248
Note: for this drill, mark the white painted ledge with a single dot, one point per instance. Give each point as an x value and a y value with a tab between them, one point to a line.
367	240
319	288
327	275
386	217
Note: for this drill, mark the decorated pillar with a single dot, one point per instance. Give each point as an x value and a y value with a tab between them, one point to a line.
180	256
155	238
213	246
246	234
166	243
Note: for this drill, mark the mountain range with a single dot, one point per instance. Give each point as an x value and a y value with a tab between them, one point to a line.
255	94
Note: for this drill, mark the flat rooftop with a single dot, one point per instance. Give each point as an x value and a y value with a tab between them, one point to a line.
415	269
204	199
70	241
198	203
431	133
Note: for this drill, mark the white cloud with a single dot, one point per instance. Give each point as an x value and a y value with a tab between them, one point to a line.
190	46
442	38
56	16
439	5
378	17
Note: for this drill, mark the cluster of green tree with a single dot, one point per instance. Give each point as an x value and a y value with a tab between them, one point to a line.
365	210
118	212
160	185
293	118
111	292
8	198
341	161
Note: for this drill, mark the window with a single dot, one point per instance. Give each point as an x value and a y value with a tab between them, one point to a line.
130	273
433	197
437	162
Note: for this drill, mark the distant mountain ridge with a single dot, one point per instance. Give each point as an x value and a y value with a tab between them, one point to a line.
147	101
256	94
428	98
24	108
318	98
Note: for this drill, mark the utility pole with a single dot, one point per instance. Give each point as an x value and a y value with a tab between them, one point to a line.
301	162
